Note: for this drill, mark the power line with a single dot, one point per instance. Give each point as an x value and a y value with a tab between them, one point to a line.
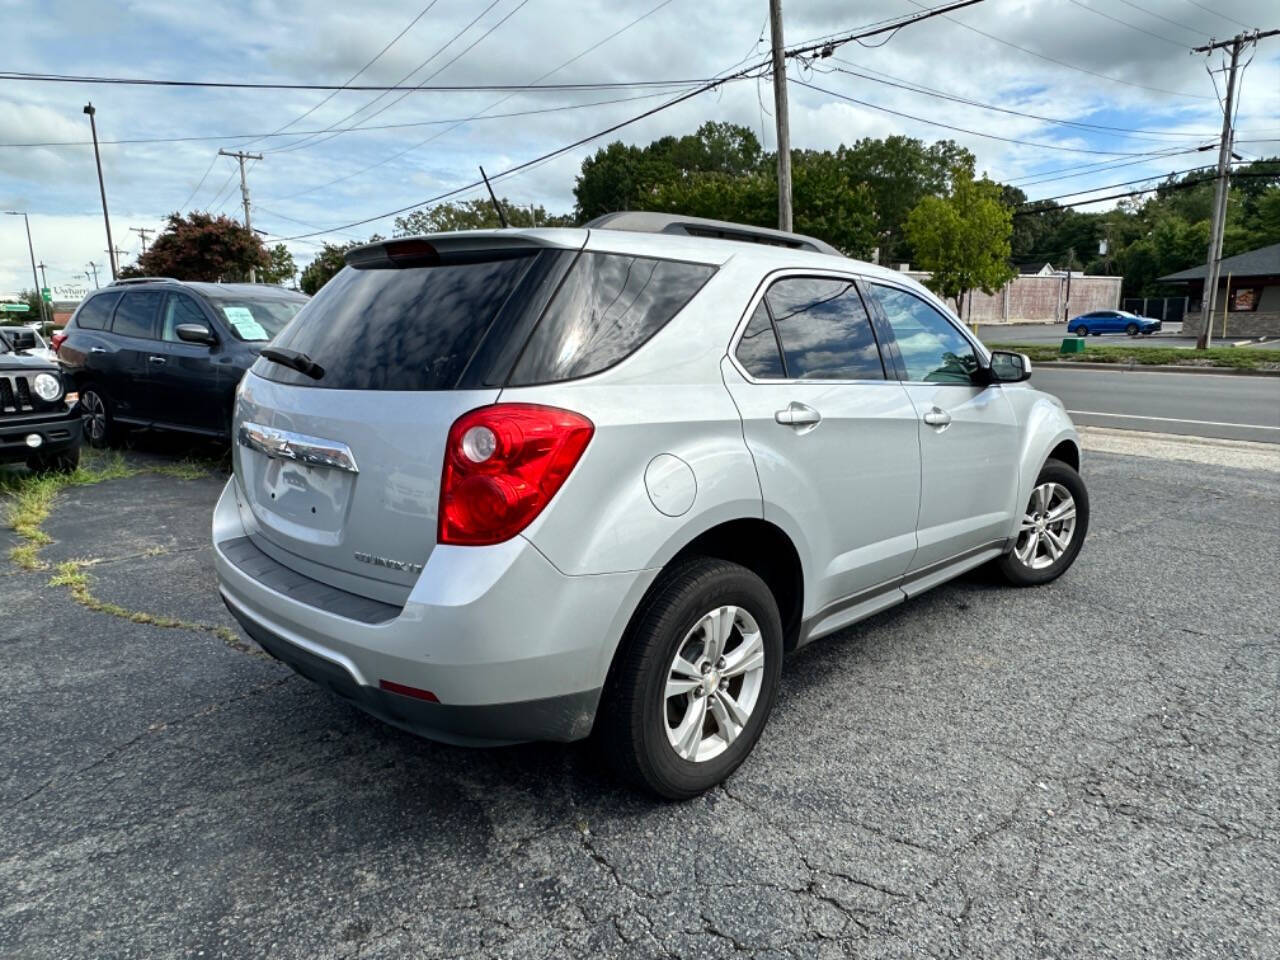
333	93
1126	23
358	129
911	86
1064	63
975	133
204	177
710	85
1219	13
248	85
313	141
1184	185
1082	169
423	143
1160	16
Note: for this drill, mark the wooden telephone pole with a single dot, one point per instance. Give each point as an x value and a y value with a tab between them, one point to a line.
780	115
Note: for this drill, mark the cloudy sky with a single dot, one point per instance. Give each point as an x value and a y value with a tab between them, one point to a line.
1102	63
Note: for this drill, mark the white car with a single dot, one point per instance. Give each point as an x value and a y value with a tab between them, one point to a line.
512	485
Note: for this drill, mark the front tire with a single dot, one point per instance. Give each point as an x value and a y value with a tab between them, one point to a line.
694	683
1082	331
1132	330
1052	528
95	416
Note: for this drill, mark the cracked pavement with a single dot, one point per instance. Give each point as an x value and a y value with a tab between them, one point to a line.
1089	769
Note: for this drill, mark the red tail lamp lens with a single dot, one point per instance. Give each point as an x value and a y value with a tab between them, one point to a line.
56	341
502	466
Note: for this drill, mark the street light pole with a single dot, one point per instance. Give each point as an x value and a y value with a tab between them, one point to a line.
93	126
32	251
94	267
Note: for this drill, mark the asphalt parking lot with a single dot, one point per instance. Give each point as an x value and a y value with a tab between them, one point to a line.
1088	769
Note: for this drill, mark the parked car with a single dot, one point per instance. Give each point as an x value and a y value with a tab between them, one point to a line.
1112	321
41	348
514	485
153	352
39	422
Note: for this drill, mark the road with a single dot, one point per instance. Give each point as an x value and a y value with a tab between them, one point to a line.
1229	406
1043	333
1086	769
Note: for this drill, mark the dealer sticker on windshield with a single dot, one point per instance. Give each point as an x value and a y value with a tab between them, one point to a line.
242	319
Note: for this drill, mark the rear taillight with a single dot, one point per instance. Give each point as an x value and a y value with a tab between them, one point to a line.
56	340
502	465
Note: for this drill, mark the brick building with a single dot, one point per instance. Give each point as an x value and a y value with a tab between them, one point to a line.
1248	291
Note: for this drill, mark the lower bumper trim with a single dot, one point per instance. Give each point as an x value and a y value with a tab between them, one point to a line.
563	718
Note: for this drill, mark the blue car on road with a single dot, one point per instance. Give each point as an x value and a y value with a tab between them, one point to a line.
1112	321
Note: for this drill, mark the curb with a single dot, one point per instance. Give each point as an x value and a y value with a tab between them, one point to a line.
1153	368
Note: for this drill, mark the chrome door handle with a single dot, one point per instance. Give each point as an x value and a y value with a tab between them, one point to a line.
157	360
97	349
799	415
937	417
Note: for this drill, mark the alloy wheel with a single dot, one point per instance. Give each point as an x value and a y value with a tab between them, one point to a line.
1047	527
94	417
713	683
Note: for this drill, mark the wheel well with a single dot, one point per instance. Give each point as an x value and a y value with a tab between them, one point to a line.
1068	453
768	552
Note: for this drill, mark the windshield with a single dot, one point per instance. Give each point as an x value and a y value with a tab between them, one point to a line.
255	319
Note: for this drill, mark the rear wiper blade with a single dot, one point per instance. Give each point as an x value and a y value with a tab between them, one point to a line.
296	359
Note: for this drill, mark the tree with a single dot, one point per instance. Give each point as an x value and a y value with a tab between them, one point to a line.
33	315
201	246
326	263
280	268
477	214
963	238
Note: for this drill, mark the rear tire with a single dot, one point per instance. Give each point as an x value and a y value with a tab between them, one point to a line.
95	416
64	462
669	721
1052	529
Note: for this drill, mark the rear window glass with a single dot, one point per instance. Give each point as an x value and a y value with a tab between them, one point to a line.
96	311
413	328
605	310
758	348
256	319
825	330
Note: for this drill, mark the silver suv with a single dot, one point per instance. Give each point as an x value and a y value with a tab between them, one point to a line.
515	485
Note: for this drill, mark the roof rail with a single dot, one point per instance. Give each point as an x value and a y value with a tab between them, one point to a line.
642	221
129	280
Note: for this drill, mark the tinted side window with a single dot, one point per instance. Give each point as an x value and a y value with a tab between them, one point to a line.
825	330
931	347
758	349
607	308
95	312
387	328
136	315
178	309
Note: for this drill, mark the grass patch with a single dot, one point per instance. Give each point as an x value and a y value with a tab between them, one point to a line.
71	574
1240	358
33	495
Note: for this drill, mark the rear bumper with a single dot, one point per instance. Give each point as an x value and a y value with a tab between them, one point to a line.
57	432
512	649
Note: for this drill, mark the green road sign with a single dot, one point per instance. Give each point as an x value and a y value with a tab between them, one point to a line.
46	295
14	308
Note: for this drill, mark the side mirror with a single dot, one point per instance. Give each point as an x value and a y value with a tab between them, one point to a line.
195	333
1009	367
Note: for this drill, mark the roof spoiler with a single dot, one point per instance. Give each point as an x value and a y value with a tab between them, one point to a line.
642	221
467	246
130	280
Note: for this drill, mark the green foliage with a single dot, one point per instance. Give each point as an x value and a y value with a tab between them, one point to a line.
326	263
1235	357
33	315
201	246
477	214
280	268
963	238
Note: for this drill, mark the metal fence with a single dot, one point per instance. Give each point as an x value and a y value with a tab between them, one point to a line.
1168	309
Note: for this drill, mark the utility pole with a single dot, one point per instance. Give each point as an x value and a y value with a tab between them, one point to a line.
32	251
780	115
117	253
244	193
44	281
94	267
93	126
1066	303
142	232
1221	188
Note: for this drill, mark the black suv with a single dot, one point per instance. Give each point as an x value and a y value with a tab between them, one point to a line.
39	423
155	352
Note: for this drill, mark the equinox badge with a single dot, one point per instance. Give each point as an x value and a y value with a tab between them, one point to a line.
385	562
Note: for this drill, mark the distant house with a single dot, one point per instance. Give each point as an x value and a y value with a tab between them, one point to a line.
1035	269
1251	300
